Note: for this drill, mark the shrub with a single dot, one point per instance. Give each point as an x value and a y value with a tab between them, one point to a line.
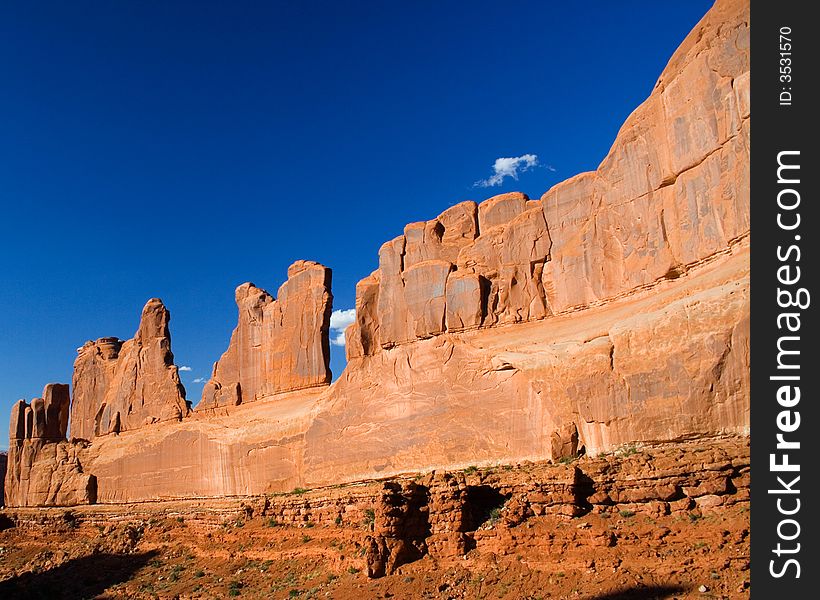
234	587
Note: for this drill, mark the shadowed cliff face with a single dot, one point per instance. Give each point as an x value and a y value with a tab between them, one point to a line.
613	309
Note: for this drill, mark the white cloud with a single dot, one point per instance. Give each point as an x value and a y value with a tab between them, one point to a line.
339	321
199	380
185	368
508	167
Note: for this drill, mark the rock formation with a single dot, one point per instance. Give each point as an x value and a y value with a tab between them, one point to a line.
4	461
612	310
44	469
279	345
119	386
672	192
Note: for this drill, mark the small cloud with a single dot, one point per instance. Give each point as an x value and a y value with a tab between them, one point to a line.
339	321
508	167
199	380
185	368
550	168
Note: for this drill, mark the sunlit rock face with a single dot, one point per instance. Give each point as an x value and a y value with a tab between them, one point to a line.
614	309
119	386
279	345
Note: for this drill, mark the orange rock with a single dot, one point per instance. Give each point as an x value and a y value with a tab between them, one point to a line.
424	285
43	469
120	386
617	305
362	337
672	192
278	345
500	209
466	300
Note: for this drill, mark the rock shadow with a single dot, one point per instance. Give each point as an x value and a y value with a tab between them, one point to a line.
85	577
582	488
481	504
649	592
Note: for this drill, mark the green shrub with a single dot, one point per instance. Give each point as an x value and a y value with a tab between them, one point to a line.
234	588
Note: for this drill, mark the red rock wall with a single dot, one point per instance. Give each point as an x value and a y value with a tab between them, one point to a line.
4	461
279	345
44	469
120	386
672	192
614	309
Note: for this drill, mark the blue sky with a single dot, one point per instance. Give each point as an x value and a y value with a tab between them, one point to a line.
178	149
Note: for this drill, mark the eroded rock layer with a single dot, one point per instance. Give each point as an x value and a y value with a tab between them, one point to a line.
613	310
617	503
120	386
279	345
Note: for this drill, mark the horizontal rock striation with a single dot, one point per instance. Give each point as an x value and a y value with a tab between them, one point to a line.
447	514
279	345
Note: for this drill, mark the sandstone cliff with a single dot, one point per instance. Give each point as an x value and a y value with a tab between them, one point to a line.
43	468
613	309
672	192
120	386
279	345
4	461
629	286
